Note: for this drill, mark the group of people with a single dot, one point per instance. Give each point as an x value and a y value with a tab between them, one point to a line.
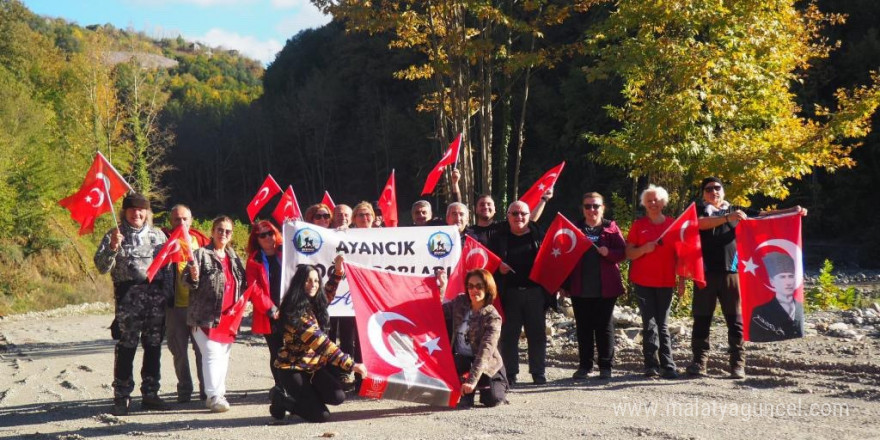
312	355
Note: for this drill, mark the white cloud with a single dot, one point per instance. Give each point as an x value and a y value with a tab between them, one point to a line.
263	51
287	4
202	3
305	17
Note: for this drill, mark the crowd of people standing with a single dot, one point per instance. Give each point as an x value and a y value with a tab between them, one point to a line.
313	357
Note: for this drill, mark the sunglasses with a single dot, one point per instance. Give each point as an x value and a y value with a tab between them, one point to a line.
266	234
518	214
322	216
712	188
225	231
592	206
480	286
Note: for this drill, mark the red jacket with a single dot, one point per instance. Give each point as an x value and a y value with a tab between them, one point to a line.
255	273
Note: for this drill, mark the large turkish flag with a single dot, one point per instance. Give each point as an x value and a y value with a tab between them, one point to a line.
403	337
771	276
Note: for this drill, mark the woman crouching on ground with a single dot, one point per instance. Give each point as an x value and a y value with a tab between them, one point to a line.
307	350
476	328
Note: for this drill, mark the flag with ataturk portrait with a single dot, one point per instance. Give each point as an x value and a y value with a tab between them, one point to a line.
403	338
771	277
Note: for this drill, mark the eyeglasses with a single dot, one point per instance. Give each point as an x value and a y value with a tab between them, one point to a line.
592	206
266	234
713	188
479	286
225	231
518	214
322	216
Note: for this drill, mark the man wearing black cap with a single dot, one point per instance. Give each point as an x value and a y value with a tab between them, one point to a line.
126	252
782	317
718	220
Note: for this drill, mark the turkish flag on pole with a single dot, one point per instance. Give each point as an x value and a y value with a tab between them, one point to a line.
176	250
562	248
230	320
267	191
533	196
403	337
771	276
102	186
328	201
288	207
684	235
473	256
449	158
388	202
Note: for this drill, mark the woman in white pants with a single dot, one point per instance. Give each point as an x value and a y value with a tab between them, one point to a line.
217	281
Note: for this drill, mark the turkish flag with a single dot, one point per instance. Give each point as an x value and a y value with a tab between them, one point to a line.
684	235
562	248
771	276
448	158
92	199
403	337
328	201
177	249
533	196
473	256
267	191
230	319
288	207
388	202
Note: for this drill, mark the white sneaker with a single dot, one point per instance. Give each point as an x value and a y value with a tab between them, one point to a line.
219	404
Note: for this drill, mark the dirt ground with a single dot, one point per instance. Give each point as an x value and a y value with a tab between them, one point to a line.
56	368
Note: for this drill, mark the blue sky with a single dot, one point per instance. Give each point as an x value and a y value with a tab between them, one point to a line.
256	28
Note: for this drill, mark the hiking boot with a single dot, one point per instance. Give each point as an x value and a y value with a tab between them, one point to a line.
539	379
696	369
604	373
652	372
581	373
737	372
669	373
184	397
152	402
121	406
276	408
466	401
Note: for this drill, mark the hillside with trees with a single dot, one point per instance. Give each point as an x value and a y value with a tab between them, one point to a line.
777	98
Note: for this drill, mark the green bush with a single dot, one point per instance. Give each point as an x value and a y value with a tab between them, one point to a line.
826	295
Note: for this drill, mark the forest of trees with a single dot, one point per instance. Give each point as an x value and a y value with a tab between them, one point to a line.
528	83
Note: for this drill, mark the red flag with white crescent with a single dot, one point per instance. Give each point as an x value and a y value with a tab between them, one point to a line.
449	158
267	191
102	186
230	319
771	276
473	256
328	201
403	337
561	249
684	235
388	202
175	250
288	207
533	196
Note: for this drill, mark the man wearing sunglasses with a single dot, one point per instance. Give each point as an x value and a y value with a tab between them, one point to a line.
517	243
718	220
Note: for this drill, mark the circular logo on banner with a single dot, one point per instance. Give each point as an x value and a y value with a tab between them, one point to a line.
439	244
307	241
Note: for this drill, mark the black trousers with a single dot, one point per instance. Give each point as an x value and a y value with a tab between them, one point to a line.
493	390
274	341
654	304
523	307
721	287
312	392
593	318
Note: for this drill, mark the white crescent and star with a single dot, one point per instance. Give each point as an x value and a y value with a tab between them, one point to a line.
100	196
479	252
793	251
377	336
568	233
261	195
683	228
